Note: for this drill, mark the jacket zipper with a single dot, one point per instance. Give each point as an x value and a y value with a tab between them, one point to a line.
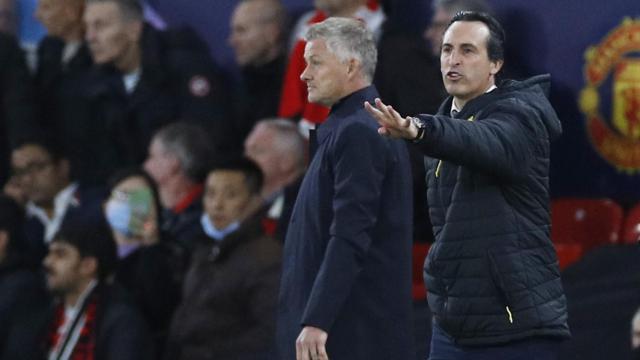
509	315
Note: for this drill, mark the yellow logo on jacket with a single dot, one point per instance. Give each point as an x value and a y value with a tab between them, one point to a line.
615	61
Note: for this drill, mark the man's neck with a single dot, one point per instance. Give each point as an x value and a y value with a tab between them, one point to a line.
74	35
175	190
459	103
131	61
275	185
271	54
49	206
72	297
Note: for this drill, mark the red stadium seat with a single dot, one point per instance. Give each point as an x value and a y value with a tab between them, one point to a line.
568	253
631	228
590	222
420	251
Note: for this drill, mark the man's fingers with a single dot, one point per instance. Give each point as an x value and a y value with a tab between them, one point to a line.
302	353
322	352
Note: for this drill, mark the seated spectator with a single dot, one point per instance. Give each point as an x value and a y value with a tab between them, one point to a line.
230	293
257	38
17	105
43	174
92	318
62	62
143	80
280	150
22	289
150	267
179	156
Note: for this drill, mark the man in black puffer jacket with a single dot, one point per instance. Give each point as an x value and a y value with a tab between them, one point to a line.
492	273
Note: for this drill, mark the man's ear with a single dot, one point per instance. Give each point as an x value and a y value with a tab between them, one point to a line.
353	67
496	66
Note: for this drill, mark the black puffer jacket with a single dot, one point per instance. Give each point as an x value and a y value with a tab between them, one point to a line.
492	274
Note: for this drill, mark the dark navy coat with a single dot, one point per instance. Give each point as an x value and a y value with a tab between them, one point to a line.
347	257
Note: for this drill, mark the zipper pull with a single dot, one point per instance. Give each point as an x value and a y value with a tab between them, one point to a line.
510	315
438	168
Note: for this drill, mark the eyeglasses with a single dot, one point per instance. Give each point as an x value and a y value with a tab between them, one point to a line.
31	168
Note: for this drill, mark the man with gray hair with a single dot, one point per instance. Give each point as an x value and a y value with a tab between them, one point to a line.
346	281
180	155
280	150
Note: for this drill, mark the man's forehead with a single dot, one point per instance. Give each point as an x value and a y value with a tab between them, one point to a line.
466	32
314	47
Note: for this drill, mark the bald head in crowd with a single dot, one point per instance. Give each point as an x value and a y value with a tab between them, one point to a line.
279	149
257	31
443	12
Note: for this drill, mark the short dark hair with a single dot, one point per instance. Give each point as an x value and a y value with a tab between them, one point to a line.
11	221
495	42
130	9
252	174
191	144
56	151
93	240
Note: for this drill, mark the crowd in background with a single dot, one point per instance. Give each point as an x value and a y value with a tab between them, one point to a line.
146	195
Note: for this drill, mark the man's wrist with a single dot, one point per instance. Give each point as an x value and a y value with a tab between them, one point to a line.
420	126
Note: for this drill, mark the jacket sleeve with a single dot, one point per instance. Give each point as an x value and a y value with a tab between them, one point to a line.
358	165
502	144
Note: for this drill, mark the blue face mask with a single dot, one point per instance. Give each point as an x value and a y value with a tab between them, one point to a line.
118	214
127	213
215	233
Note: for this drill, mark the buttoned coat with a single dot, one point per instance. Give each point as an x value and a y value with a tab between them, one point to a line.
347	258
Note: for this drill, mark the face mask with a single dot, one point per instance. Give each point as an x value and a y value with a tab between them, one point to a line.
128	213
215	233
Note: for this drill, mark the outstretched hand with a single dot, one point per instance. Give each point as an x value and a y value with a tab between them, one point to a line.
391	122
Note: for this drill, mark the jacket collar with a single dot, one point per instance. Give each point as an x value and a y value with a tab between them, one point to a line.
347	106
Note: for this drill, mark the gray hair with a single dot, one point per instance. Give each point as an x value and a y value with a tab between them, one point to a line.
455	6
191	145
288	139
347	39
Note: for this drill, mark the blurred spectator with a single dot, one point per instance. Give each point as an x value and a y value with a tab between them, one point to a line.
229	299
54	198
149	266
143	79
179	157
293	100
279	149
17	110
257	38
8	16
22	290
635	335
92	318
63	62
443	12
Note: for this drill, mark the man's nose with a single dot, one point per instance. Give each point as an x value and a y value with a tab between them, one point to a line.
305	75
